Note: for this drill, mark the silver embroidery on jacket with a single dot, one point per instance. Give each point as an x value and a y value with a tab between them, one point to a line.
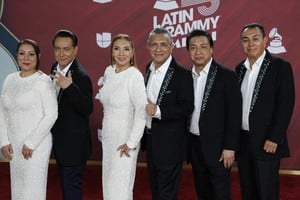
263	70
261	75
165	84
209	83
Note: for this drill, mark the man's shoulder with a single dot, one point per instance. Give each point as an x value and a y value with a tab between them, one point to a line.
78	69
240	64
178	66
277	59
223	68
277	63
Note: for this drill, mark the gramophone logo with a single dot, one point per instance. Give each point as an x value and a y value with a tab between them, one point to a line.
275	46
8	43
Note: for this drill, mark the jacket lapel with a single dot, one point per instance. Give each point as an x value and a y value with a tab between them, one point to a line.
262	72
208	86
165	83
148	72
241	73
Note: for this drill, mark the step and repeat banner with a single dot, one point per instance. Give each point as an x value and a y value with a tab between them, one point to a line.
97	21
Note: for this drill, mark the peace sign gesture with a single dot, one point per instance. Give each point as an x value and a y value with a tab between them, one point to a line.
61	80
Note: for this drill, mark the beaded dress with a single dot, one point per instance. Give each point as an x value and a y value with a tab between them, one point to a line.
28	110
123	97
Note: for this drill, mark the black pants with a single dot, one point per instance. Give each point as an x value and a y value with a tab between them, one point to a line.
164	180
259	179
71	181
212	181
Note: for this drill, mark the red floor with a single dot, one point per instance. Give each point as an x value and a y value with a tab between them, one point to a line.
289	188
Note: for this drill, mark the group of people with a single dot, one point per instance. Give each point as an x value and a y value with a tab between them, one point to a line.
39	112
206	114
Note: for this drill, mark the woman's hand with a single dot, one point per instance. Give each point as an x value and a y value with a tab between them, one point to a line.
7	151
124	150
27	152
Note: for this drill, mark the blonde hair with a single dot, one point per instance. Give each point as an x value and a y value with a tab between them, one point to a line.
129	39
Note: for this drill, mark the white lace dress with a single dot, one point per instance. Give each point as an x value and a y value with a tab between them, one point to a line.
28	110
123	97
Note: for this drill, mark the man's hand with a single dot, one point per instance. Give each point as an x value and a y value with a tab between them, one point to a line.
270	147
151	108
227	157
61	80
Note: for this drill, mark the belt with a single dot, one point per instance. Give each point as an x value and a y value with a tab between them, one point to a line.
245	132
194	135
148	130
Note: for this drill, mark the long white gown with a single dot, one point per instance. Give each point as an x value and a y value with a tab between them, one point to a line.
29	109
123	97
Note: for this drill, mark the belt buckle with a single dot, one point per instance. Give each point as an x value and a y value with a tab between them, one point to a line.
245	132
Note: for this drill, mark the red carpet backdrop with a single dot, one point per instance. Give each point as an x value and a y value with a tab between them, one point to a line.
97	21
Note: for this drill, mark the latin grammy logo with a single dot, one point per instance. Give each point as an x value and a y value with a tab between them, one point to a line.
275	46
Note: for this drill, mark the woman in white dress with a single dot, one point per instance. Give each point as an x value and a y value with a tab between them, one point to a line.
28	110
123	97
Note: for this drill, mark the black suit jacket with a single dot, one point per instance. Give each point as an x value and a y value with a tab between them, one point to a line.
271	106
175	101
71	132
221	113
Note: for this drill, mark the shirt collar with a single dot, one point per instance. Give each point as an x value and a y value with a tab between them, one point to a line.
204	70
163	68
66	69
257	63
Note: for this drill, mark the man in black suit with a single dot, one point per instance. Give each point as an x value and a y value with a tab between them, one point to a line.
267	87
71	132
215	122
170	102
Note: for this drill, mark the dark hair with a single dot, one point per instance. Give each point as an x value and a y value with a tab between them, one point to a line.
196	33
254	25
127	38
160	30
36	49
67	34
